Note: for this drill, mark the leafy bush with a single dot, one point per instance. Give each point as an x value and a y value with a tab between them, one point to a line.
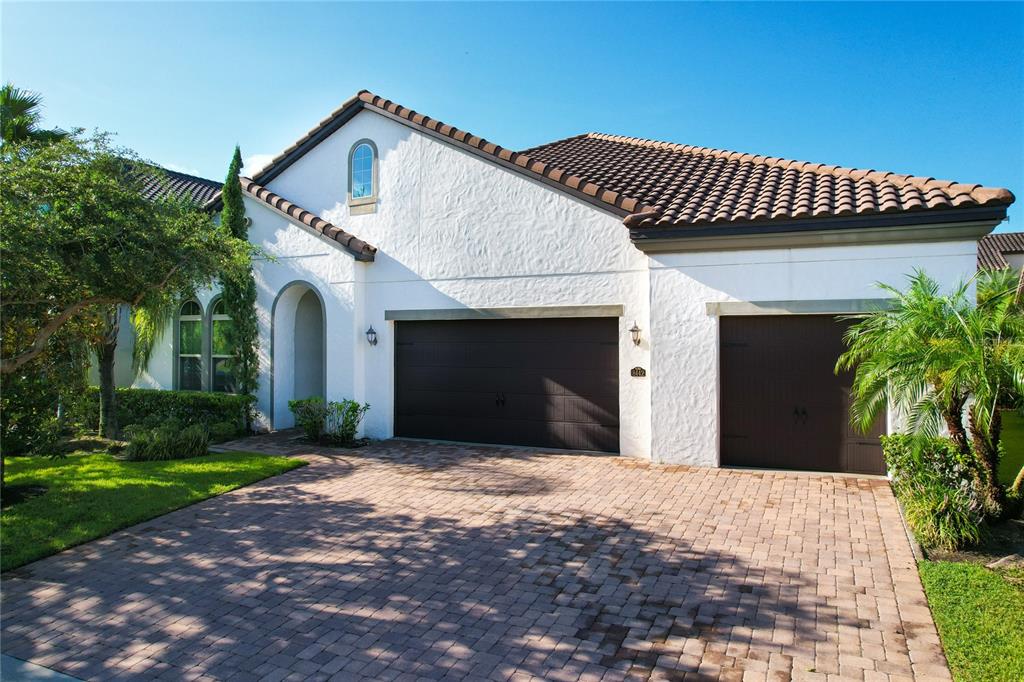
310	416
941	517
942	496
224	431
151	407
329	422
171	440
32	397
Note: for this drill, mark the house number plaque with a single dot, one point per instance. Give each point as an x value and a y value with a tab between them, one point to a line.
638	372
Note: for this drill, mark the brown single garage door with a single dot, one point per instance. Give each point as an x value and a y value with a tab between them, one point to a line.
782	405
544	382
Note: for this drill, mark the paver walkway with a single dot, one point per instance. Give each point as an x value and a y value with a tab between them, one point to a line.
410	560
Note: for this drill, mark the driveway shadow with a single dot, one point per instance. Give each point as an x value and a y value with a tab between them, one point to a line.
307	576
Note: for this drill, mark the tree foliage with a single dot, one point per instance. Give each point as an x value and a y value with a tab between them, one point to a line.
77	233
20	116
238	289
936	356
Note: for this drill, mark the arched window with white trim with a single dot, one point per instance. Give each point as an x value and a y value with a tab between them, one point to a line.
363	175
190	346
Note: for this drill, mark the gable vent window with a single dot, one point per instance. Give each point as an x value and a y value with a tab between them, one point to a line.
362	176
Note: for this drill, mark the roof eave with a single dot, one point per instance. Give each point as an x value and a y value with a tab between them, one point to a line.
903	226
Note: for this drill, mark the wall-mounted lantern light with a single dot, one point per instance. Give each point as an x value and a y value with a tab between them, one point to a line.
371	336
634	331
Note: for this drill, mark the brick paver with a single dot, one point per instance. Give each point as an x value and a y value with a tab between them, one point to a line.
413	561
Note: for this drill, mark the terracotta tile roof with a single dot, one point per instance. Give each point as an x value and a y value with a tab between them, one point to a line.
684	185
192	187
662	184
357	247
992	249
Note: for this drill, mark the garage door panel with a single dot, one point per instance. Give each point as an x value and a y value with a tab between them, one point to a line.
555	381
782	405
447	403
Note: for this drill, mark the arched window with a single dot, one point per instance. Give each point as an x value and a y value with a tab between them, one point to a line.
190	346
362	173
220	349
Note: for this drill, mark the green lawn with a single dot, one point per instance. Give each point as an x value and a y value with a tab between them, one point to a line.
980	616
92	495
1013	447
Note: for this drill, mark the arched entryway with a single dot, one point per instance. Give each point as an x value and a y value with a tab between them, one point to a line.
298	353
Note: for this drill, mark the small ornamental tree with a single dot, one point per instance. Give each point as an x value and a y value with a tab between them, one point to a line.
77	236
238	288
940	358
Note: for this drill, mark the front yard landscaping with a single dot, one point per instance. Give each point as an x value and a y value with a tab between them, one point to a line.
88	495
980	616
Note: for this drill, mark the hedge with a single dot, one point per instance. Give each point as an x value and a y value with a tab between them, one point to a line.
150	407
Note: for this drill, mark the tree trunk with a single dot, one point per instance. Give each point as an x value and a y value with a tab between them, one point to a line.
106	347
953	415
1018	484
986	449
108	398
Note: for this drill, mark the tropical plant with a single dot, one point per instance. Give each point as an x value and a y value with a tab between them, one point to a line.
931	355
238	289
20	116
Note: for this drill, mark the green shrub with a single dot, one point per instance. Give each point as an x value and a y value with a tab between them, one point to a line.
939	489
331	422
151	407
310	416
171	440
224	431
941	517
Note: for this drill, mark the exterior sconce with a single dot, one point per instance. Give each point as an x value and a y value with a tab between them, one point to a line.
371	336
634	331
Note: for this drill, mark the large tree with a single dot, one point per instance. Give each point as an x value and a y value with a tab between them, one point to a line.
78	236
938	356
239	289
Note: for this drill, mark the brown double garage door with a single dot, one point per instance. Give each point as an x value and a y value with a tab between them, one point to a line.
540	382
782	404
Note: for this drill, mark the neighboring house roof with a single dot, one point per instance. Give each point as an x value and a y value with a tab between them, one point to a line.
181	185
357	247
695	186
992	249
695	190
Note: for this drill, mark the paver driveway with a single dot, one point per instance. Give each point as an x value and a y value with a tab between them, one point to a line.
407	560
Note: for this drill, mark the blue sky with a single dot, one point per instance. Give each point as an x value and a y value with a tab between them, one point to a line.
929	89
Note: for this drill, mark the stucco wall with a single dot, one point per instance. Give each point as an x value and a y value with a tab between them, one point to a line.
684	371
454	231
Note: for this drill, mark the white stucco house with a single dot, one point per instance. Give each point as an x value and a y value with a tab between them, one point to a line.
651	299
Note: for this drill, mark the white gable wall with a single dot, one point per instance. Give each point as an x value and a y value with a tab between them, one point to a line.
455	231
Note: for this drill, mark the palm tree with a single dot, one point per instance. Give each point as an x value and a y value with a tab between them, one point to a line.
932	355
20	115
